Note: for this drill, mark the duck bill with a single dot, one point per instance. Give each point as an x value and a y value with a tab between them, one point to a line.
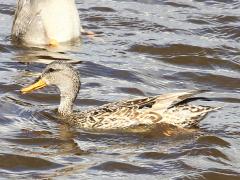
38	85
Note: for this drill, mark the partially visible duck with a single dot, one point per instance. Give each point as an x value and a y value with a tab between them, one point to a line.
46	22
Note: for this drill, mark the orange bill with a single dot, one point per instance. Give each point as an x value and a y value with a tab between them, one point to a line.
38	85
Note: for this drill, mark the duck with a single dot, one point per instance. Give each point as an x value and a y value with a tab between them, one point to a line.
46	22
170	108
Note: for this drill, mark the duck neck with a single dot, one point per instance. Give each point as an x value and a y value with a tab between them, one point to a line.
69	90
66	102
66	105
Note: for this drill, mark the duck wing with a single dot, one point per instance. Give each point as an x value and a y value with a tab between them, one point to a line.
24	18
164	101
170	100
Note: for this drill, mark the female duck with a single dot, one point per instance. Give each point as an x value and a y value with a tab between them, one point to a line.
170	108
46	22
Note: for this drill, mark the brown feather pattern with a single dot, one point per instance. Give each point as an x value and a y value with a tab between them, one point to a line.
143	111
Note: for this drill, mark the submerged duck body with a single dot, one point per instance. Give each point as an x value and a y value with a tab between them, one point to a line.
171	108
44	22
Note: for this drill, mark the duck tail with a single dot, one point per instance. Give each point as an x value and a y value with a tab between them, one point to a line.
187	116
195	119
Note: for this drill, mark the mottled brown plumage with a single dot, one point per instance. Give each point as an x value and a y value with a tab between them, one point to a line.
142	111
169	108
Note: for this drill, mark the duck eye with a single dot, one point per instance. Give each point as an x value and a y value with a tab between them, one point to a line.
51	70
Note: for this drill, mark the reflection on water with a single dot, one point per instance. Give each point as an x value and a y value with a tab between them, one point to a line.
141	48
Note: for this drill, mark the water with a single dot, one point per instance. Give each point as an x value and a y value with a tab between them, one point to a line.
141	48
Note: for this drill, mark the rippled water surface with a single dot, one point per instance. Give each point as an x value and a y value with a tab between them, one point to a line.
142	47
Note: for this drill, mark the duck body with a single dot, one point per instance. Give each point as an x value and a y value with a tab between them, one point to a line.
43	22
171	108
147	111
